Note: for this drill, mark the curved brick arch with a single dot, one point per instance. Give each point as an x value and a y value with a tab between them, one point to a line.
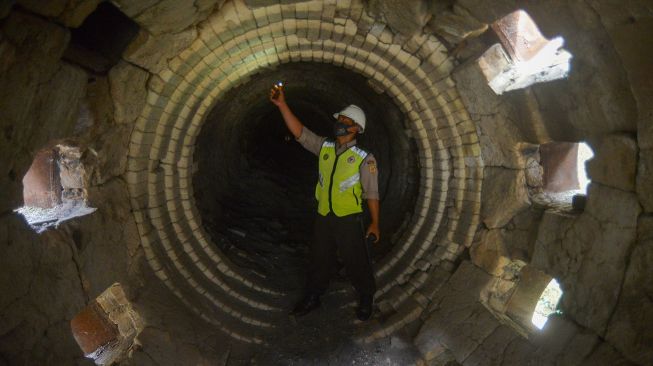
161	153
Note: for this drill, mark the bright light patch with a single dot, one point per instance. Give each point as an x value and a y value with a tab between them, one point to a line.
524	57
547	304
584	154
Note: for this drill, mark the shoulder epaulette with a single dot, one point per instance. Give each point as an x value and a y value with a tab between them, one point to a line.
360	152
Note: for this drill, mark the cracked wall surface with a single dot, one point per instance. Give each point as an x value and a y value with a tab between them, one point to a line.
447	279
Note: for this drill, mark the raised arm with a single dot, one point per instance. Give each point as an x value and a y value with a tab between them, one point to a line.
292	122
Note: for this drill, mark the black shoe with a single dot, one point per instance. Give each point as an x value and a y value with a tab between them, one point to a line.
306	305
364	310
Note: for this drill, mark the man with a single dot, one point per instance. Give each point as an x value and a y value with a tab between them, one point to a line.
347	175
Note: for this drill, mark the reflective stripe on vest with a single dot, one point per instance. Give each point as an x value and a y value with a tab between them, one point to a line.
339	189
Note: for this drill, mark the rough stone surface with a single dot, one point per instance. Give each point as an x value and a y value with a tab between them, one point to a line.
152	52
504	195
128	89
603	266
492	350
49	8
476	94
534	173
167	16
37	270
631	326
628	24
490	252
563	342
615	162
71	170
588	253
645	179
577	112
458	322
606	355
76	12
32	47
132	8
456	25
501	127
121	246
405	17
111	148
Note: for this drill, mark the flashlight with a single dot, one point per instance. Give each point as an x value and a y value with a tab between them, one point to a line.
278	86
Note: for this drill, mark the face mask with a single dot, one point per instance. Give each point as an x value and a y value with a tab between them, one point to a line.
340	129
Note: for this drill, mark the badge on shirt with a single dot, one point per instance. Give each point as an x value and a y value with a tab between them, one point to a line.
351	160
325	157
372	166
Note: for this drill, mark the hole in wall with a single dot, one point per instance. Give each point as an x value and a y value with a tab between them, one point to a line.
585	153
106	329
564	174
98	43
547	304
53	188
524	297
524	57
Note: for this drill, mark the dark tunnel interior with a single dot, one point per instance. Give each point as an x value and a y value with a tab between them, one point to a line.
254	184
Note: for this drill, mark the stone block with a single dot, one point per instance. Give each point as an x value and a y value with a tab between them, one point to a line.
152	52
564	342
492	350
606	355
548	243
459	322
406	18
456	25
631	327
132	8
460	326
490	252
504	195
128	91
587	254
615	162
166	16
428	344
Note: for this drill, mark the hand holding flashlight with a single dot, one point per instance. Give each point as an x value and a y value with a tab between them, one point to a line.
276	93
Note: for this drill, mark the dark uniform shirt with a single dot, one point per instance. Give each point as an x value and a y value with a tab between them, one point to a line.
368	171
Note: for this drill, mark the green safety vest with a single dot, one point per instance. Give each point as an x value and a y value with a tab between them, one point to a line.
339	188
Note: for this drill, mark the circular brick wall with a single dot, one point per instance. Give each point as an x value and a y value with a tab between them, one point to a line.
235	44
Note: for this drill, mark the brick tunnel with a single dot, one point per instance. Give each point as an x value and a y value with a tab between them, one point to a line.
190	193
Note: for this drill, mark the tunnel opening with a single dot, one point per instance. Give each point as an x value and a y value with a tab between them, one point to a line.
255	185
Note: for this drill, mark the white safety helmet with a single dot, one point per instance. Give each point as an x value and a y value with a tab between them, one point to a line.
355	113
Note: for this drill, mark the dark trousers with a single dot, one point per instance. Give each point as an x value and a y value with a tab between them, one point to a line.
345	236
